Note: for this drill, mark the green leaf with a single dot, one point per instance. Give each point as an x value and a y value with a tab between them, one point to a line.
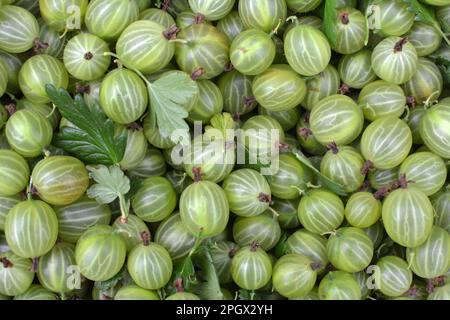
251	155
210	288
445	71
325	181
135	185
78	142
280	249
426	15
186	271
168	96
423	13
55	151
122	278
93	141
444	66
220	124
223	122
108	284
111	183
440	60
330	20
245	294
255	166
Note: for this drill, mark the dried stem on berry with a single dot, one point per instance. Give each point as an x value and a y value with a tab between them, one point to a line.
316	265
264	198
382	193
199	18
145	236
80	88
366	186
39	46
411	101
178	284
254	246
197	73
368	165
11	108
249	101
197	174
403	182
88	56
232	252
166	5
171	33
333	147
6	263
134	127
229	67
344	18
399	44
34	265
344	89
305	133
